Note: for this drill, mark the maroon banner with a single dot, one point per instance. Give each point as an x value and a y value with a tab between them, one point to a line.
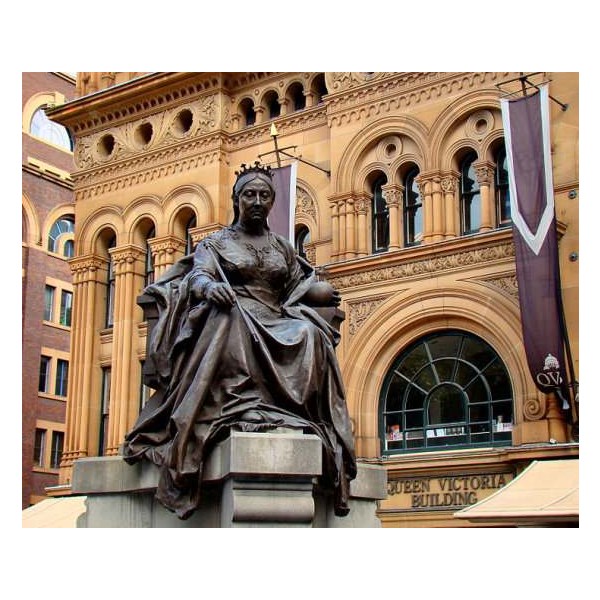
527	136
281	217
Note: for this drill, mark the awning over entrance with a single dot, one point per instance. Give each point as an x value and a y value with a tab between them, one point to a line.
545	493
54	512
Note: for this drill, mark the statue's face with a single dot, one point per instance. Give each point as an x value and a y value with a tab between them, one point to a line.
255	202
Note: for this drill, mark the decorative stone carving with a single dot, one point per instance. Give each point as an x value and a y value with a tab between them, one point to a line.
304	203
505	283
534	408
361	310
426	266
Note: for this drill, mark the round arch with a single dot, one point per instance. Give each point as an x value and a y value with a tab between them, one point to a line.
32	231
403	319
144	207
88	233
56	213
347	178
193	196
453	114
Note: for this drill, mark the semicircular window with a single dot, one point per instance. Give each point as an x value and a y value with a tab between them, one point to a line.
449	389
61	226
42	127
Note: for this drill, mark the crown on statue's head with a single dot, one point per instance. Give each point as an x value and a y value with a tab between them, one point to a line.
257	168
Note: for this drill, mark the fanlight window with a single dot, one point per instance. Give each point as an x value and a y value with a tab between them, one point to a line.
60	227
448	389
42	127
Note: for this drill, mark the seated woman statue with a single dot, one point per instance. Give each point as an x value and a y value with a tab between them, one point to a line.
237	344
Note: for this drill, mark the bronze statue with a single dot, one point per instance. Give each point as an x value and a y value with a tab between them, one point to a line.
238	343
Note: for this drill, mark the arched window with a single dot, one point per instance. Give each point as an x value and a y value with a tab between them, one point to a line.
41	126
413	210
302	238
448	389
110	284
272	105
470	198
502	192
318	88
61	226
189	243
381	225
296	96
149	269
248	112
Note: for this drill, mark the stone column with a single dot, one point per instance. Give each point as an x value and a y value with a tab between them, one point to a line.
393	198
335	223
485	178
129	263
342	227
361	206
260	114
89	273
165	251
449	185
350	229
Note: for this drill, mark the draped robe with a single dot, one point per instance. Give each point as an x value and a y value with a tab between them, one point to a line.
268	361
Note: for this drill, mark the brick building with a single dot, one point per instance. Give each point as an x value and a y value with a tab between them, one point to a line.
47	243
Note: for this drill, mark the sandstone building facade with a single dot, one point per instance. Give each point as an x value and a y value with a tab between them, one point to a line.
402	201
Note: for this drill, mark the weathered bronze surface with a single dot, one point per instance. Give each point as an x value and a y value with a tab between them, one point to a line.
239	343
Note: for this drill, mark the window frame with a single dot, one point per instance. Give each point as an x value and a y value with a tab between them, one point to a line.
467	197
416	208
379	217
487	421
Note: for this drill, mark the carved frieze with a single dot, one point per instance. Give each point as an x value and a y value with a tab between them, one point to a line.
425	266
507	284
148	133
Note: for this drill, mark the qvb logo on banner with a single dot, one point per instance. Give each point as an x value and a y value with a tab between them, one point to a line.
527	134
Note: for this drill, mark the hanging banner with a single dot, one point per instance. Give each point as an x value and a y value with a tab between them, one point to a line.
527	135
281	217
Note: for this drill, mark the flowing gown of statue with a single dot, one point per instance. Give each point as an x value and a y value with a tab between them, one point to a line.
273	366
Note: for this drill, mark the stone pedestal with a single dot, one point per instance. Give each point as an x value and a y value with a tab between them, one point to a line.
250	480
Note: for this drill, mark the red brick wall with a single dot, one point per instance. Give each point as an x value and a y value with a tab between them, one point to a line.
37	265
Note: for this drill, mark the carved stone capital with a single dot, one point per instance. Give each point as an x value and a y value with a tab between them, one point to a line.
126	255
393	194
485	172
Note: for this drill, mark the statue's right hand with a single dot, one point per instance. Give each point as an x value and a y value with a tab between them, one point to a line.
220	294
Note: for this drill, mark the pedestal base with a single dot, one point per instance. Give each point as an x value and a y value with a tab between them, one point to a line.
250	480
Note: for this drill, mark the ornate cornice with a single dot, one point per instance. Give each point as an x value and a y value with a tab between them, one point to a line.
366	272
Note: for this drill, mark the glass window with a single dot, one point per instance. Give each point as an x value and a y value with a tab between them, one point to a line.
39	446
413	210
381	227
66	303
59	227
44	379
189	242
149	276
58	438
272	104
502	191
105	403
42	127
448	389
49	302
470	198
62	377
302	238
110	286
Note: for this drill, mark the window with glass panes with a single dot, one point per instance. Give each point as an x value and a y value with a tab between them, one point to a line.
470	197
39	447
49	292
58	438
449	389
66	305
44	378
381	226
502	192
413	210
62	377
